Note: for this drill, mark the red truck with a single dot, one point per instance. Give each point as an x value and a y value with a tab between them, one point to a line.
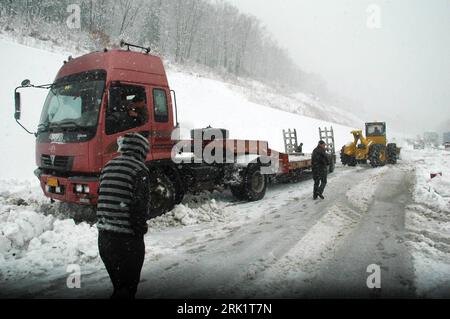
98	97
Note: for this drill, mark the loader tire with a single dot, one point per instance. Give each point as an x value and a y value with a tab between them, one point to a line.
352	161
347	159
391	152
377	155
253	185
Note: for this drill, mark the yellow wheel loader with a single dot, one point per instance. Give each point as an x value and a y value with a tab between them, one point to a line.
372	148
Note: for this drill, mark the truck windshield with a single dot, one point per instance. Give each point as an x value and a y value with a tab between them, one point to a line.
74	101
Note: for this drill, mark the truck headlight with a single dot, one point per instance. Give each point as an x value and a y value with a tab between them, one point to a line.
87	189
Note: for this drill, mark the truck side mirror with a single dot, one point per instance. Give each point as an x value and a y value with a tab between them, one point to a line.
17	102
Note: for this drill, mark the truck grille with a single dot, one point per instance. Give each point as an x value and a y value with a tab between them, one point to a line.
57	163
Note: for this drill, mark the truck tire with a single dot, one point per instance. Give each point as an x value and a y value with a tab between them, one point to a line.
253	185
178	185
162	193
238	192
377	155
391	151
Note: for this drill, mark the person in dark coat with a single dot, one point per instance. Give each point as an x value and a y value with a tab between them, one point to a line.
320	164
122	211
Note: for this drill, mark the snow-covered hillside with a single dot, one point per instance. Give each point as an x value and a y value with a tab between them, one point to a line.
202	101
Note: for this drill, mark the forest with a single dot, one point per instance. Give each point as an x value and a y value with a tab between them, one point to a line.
211	33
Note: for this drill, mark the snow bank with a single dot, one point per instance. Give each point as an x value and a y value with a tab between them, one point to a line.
191	211
431	192
31	243
429	241
428	222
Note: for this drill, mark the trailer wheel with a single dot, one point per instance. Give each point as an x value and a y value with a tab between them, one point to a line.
391	151
253	185
377	155
162	194
332	164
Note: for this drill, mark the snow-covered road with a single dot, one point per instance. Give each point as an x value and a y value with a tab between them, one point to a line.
286	245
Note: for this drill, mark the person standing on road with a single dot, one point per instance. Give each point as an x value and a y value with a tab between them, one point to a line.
122	212
320	164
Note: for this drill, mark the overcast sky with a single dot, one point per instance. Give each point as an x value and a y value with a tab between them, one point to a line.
393	57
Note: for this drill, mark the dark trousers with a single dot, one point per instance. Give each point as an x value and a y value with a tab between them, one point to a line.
320	181
123	256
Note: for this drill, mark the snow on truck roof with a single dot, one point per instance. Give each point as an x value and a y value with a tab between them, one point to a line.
120	65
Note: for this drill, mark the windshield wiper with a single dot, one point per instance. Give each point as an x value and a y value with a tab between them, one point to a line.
66	125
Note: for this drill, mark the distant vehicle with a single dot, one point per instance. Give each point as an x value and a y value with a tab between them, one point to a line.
446	138
447	146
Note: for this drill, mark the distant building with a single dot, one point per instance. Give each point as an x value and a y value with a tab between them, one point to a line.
431	138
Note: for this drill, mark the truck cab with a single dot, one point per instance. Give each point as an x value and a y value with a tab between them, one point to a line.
93	100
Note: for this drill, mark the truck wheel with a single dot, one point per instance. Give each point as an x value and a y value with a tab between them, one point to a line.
391	150
377	155
162	194
253	185
175	177
238	192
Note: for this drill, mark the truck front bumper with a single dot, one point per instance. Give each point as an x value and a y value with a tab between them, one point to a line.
77	189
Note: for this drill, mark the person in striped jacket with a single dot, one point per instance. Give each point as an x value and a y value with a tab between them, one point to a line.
122	211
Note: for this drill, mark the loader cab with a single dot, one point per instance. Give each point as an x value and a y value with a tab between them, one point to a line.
376	132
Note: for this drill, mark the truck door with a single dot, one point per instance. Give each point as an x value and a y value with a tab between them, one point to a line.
127	111
162	123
